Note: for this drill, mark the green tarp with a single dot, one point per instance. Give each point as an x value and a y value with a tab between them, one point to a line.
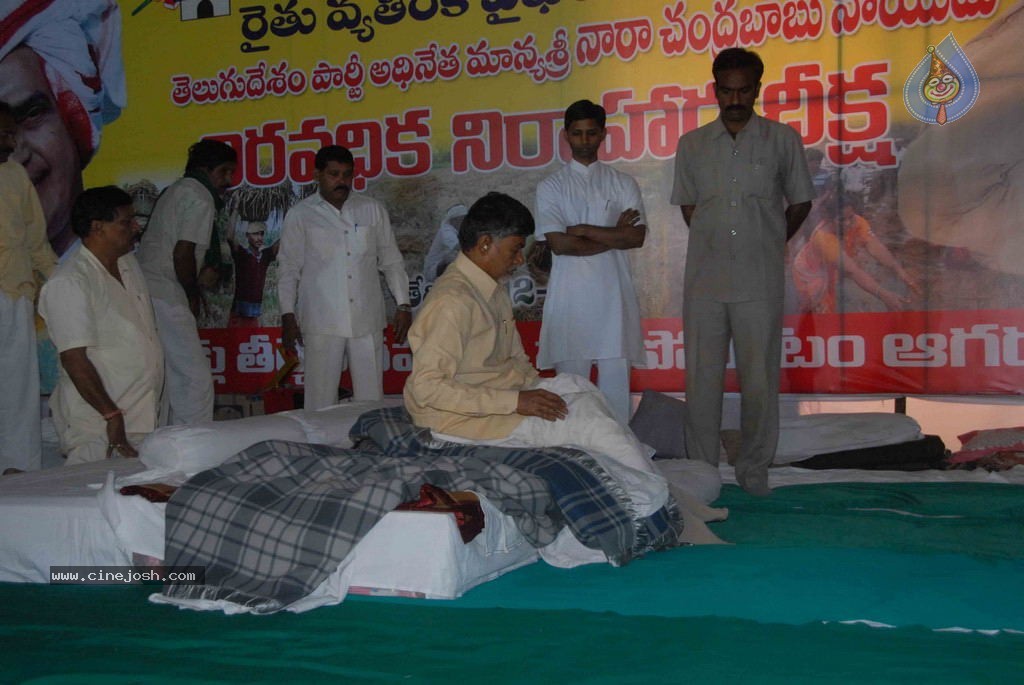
920	557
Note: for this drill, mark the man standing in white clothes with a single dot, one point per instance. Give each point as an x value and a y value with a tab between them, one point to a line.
24	252
172	253
590	214
333	245
100	317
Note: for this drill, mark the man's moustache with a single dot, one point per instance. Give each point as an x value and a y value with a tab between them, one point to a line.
341	187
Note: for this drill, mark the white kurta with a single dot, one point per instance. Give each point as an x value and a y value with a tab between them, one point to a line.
328	266
185	211
84	306
591	311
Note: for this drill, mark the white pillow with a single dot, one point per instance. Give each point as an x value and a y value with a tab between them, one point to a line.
205	445
695	477
802	437
330	425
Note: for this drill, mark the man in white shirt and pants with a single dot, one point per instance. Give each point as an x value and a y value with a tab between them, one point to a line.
590	214
333	245
171	253
100	317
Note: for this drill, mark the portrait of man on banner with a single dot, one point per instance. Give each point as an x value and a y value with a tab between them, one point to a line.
61	70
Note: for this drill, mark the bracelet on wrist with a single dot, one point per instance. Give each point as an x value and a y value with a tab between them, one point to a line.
117	412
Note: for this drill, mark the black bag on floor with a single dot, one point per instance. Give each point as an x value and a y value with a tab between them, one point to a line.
917	455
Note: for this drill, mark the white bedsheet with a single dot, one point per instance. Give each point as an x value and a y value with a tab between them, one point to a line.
70	516
76	516
591	427
51	518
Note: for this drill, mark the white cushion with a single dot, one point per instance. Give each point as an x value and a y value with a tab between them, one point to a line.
802	437
696	478
330	425
205	445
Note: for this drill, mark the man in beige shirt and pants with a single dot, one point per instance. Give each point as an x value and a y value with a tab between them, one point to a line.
471	380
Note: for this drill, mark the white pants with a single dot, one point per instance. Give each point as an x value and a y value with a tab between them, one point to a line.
324	360
591	427
188	382
20	425
96	449
612	380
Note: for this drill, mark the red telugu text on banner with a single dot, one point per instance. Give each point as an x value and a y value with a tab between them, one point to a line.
934	353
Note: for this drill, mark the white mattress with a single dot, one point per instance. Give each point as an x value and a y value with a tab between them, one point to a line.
74	516
52	518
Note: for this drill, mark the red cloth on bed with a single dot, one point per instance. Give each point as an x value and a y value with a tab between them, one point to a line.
464	505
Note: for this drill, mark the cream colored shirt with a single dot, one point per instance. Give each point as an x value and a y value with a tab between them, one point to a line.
84	306
328	266
24	247
468	363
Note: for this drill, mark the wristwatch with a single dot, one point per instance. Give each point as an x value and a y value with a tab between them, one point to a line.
405	307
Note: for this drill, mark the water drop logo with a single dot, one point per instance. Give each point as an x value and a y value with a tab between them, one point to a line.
943	86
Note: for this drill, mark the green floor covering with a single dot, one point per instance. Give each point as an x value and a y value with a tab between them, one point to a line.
824	552
762	611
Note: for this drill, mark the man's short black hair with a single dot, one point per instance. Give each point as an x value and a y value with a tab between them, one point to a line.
497	215
332	153
738	58
97	204
210	154
6	109
584	109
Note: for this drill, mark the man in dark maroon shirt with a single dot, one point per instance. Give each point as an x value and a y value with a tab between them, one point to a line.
251	263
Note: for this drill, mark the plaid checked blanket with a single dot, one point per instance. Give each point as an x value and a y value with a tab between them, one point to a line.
275	521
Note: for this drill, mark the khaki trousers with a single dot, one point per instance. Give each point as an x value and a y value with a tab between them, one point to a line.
755	329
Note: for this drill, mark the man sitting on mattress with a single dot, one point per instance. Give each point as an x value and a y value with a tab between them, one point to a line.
471	380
